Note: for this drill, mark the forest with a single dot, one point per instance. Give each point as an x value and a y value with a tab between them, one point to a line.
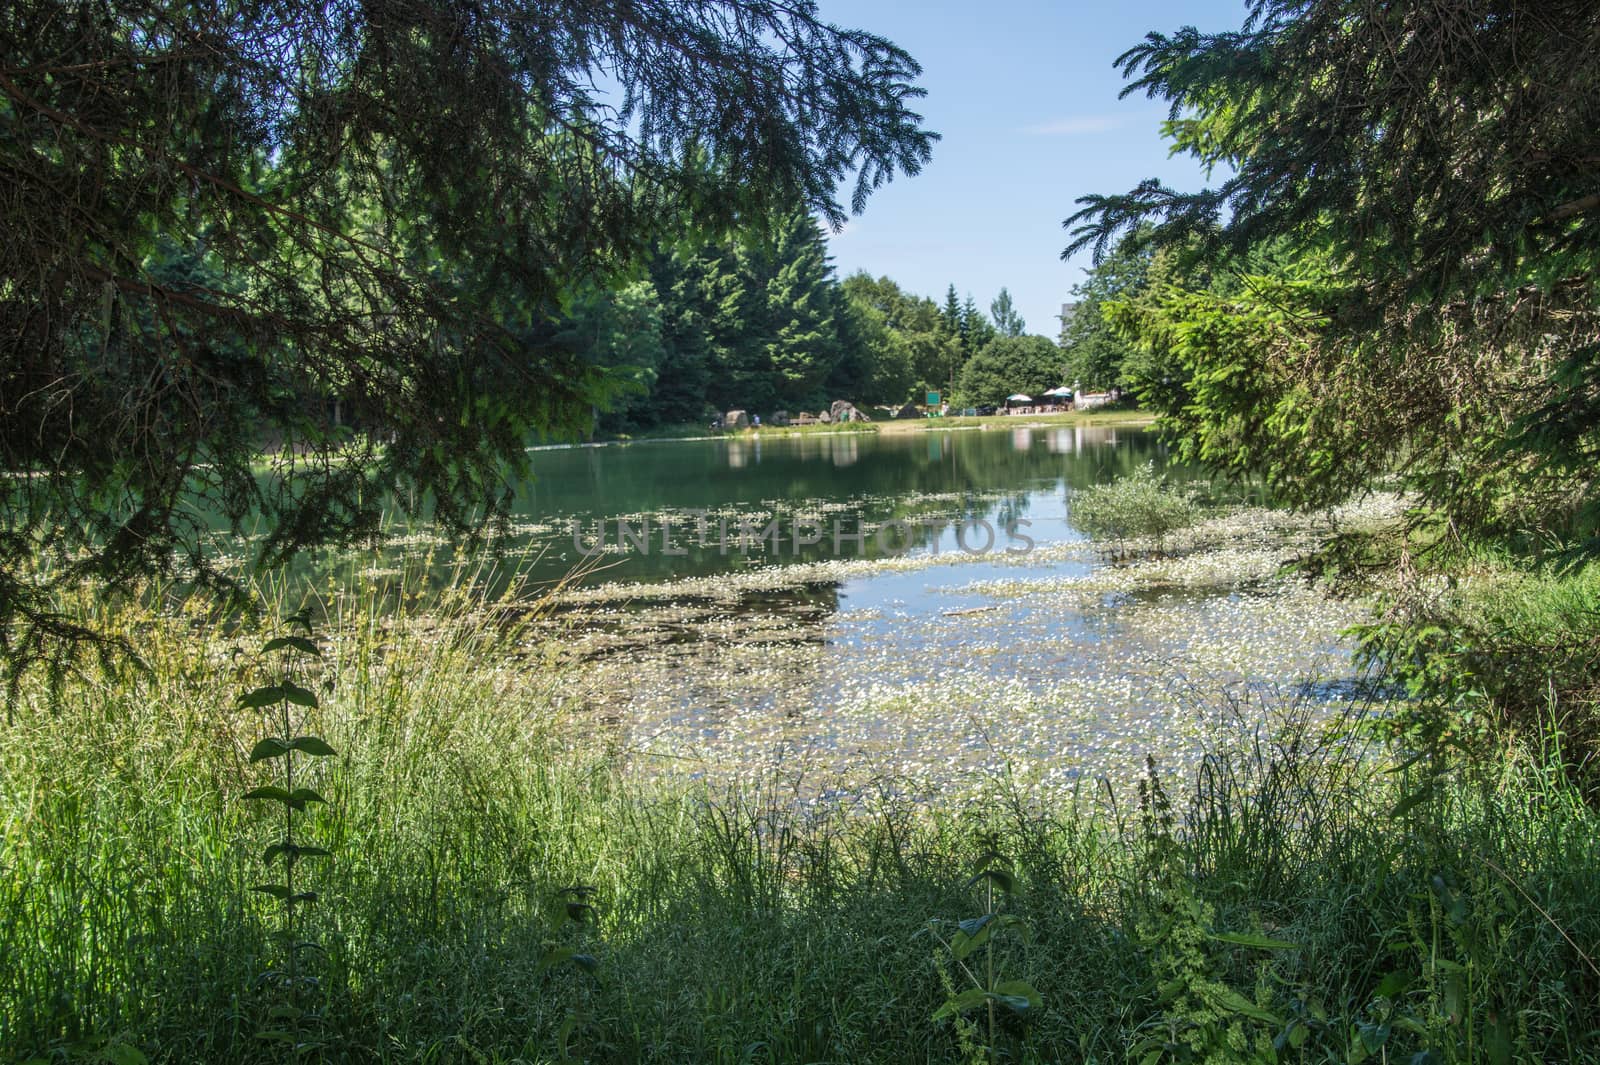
760	322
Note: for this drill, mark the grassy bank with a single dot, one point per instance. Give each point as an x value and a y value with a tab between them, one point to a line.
1295	902
1022	421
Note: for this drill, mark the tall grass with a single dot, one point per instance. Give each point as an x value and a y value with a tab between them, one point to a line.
1296	902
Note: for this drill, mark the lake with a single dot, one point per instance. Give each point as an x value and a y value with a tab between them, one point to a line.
913	607
659	511
830	607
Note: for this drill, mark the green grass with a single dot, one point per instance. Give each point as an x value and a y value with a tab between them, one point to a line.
1498	647
1276	908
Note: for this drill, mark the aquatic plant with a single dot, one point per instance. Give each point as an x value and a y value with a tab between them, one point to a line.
1140	504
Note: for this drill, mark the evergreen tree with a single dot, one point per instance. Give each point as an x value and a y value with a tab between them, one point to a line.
680	394
1006	319
1413	197
398	195
802	345
950	314
976	332
736	288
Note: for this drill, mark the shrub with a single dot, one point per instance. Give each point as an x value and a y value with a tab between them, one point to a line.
1142	504
1503	651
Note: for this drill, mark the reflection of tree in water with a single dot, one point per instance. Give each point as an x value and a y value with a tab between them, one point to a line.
929	480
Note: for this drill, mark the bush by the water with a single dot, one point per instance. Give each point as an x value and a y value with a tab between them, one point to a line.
1498	649
1301	904
1140	504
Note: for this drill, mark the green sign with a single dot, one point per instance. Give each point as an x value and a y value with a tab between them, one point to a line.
933	399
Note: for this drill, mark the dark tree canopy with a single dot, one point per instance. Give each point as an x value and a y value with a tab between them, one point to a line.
1434	168
345	231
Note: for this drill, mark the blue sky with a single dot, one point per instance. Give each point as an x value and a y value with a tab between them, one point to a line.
1025	96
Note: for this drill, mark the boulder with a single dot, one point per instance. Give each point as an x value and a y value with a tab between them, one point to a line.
845	411
842	410
825	418
907	412
779	417
736	419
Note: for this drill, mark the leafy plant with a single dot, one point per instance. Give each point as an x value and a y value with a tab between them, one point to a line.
292	796
575	907
1141	504
1200	1017
988	990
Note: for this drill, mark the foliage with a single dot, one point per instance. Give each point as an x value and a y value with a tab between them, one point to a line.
1096	353
1280	882
1226	367
620	329
802	304
917	350
1500	651
987	990
1427	169
1139	504
1029	365
1007	322
294	1019
976	332
286	222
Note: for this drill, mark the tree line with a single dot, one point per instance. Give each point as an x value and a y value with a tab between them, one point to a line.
759	321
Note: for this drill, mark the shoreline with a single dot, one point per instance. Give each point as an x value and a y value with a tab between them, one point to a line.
1118	418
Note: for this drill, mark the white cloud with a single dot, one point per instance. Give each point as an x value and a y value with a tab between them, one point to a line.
1076	124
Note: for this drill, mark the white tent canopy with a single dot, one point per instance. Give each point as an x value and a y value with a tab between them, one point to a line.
1061	391
1019	398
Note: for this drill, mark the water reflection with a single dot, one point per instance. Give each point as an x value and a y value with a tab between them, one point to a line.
932	481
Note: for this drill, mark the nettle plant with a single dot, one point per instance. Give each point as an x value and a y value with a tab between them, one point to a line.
972	976
280	702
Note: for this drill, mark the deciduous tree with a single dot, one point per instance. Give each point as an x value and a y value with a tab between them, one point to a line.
1435	166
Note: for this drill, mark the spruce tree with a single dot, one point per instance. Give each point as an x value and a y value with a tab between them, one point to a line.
389	201
735	288
681	388
950	314
1006	319
801	305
